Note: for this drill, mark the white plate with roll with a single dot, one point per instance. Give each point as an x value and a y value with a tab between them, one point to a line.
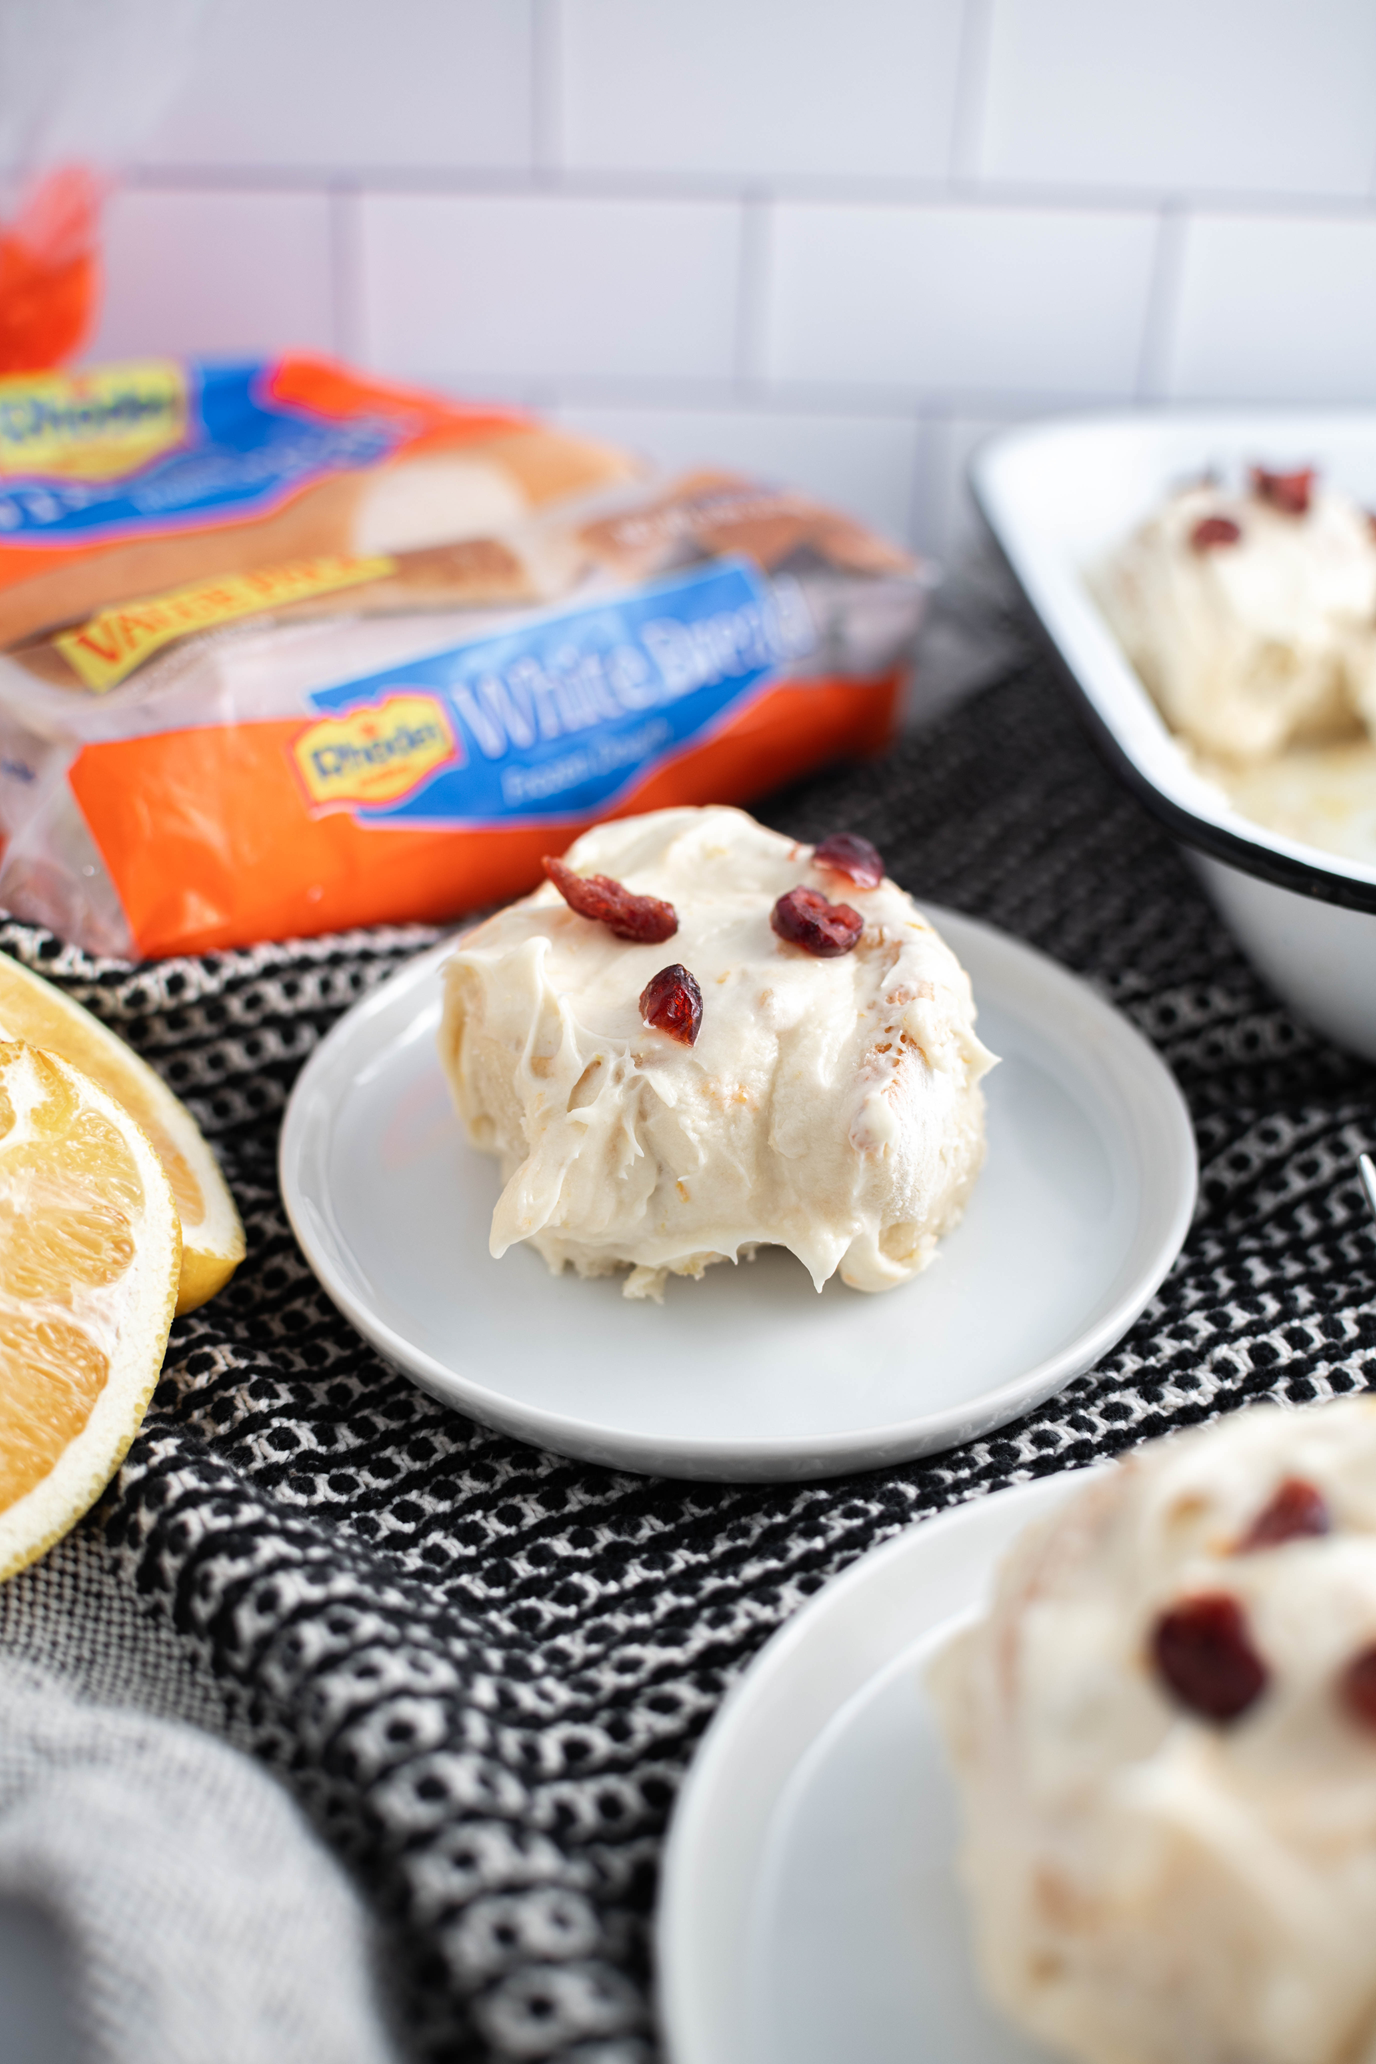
1082	1206
810	1909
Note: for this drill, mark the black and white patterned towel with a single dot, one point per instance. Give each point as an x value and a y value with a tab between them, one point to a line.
482	1669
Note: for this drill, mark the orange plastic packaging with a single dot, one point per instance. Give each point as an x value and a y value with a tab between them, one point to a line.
285	649
50	272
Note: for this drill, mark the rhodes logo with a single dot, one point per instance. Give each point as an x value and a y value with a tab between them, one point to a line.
91	426
376	754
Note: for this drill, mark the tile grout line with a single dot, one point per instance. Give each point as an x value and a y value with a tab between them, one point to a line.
972	83
546	99
923	511
1163	305
673	392
752	291
346	272
959	191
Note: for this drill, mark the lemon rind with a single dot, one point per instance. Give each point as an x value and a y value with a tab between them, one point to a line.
34	1522
213	1244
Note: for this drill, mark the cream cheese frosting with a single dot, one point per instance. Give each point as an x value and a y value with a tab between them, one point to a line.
1250	644
829	1106
1324	795
1149	1885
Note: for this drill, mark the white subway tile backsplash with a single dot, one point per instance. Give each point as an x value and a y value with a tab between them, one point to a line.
865	465
721	233
778	88
1231	95
215	273
953	523
350	84
959	298
949	521
510	288
1276	309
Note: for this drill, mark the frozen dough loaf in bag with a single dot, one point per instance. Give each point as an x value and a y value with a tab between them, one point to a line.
285	649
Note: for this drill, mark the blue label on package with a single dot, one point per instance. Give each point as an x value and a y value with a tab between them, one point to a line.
555	718
214	444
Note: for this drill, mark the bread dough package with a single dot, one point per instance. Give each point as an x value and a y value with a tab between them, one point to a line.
284	649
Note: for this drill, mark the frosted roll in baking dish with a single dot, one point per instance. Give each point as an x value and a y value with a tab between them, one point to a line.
827	1101
1165	1735
1251	616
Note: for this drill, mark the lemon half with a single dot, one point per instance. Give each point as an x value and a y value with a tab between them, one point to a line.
90	1259
212	1237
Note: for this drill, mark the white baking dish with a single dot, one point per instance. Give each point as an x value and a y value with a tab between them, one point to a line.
1059	496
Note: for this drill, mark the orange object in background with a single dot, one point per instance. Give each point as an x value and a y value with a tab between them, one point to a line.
50	272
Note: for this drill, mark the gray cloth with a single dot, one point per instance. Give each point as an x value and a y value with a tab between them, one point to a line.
201	1922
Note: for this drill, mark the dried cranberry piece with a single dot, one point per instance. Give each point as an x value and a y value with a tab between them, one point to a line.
1213	531
1297	1509
825	929
671	1002
1203	1650
644	920
1357	1687
1288	492
845	852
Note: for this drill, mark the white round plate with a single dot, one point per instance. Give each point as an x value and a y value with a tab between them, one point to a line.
1081	1208
809	1907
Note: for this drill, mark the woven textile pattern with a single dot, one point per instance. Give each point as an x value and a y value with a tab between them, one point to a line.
482	1669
